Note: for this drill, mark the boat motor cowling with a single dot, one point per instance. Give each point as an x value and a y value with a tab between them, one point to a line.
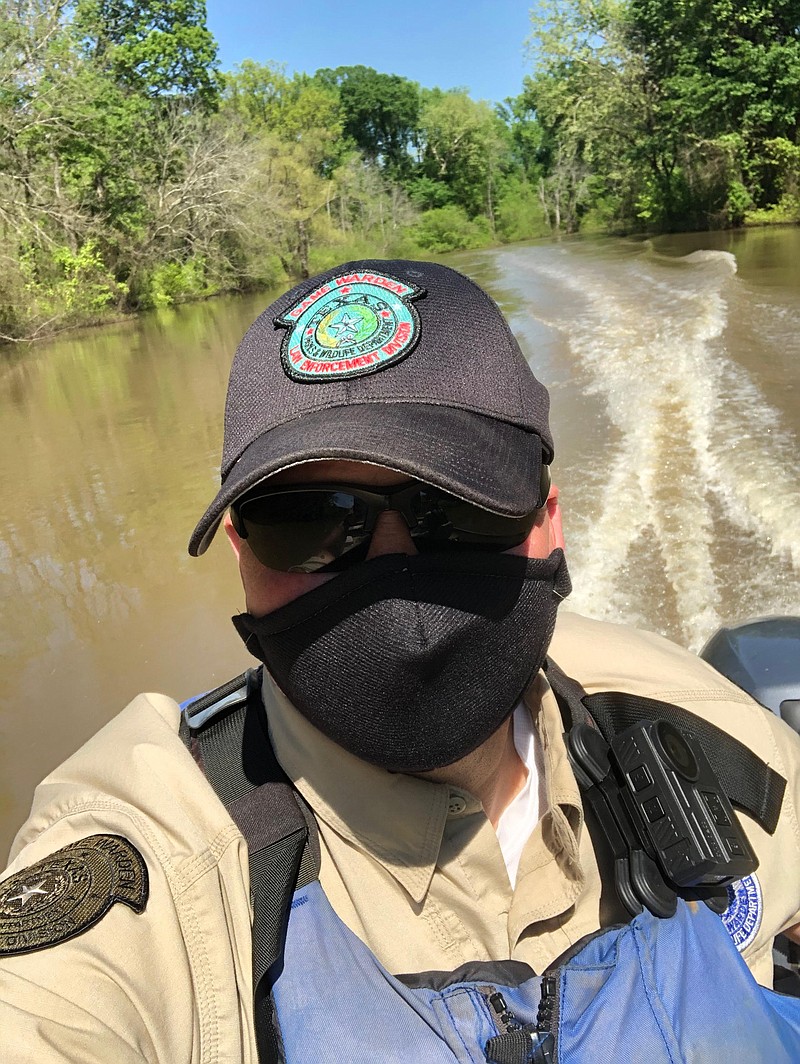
763	658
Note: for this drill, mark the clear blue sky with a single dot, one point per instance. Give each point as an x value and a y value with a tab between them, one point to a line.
477	44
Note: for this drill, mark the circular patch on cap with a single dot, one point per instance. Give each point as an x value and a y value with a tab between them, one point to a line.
742	918
352	325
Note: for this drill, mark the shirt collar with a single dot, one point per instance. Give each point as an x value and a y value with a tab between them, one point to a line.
562	882
561	786
401	819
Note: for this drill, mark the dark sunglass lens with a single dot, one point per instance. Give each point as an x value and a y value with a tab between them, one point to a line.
445	518
302	531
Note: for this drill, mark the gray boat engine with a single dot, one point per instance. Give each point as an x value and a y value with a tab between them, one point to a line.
763	658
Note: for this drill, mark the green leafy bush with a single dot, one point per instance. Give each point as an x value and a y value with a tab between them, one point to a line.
519	214
68	285
738	204
175	282
450	229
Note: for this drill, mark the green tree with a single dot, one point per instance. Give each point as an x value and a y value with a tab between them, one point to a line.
380	114
299	109
367	208
155	47
658	114
466	148
256	91
53	116
725	69
449	229
528	137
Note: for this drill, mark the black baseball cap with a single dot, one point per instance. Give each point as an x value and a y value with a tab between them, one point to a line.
408	365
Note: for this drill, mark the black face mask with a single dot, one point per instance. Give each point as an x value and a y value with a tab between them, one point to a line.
411	662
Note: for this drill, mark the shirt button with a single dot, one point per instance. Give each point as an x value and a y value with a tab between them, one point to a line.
457	804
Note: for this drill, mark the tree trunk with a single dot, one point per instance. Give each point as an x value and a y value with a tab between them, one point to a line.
302	242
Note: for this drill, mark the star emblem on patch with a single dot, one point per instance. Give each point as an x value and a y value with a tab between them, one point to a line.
345	326
26	893
68	892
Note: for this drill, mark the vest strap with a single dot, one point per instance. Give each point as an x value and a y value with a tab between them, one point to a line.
748	781
226	733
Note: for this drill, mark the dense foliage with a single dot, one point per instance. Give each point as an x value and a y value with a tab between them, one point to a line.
667	114
134	173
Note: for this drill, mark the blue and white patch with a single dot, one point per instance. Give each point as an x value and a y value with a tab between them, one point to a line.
742	918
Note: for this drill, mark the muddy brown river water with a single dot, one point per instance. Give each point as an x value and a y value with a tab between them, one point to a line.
674	368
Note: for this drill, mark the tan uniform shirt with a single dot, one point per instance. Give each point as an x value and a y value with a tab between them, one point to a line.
413	868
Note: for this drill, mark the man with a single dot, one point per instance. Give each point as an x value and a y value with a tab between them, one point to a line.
385	489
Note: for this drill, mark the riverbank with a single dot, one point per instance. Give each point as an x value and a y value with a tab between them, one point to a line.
774	216
445	233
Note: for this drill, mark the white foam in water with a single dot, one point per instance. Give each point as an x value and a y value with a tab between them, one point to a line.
692	439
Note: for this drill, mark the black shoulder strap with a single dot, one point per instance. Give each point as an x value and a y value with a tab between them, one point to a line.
748	781
226	733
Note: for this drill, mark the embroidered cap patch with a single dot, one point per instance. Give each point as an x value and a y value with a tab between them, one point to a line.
742	918
68	892
352	325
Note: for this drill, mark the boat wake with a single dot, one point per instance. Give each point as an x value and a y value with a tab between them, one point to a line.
687	513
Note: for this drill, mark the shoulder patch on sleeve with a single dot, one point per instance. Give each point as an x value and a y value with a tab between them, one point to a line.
742	918
68	892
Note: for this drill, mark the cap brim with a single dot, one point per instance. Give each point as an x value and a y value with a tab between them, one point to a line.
488	462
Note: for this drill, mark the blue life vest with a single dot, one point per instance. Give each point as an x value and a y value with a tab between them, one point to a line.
654	990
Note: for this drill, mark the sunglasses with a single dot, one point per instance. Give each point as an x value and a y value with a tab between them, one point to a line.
308	528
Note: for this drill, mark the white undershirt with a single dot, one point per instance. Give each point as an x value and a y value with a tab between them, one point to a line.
521	816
